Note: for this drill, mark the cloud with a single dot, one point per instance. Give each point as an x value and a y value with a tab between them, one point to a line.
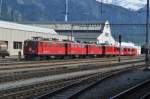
132	4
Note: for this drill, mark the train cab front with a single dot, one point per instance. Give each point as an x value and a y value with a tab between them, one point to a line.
30	49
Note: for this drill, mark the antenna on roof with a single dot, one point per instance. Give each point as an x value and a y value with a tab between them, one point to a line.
66	11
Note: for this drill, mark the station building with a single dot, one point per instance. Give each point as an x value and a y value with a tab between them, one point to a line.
15	34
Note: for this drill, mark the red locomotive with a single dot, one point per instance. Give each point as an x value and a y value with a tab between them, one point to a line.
94	50
75	49
40	48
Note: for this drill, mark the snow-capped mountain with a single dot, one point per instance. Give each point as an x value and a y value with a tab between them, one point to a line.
129	4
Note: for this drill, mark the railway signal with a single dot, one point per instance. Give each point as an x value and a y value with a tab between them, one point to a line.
120	40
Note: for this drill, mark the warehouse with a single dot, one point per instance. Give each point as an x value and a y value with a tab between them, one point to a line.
15	34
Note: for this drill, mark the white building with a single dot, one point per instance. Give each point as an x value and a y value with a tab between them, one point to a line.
15	34
106	37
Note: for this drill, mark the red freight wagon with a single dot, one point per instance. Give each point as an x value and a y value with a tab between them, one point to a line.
109	50
76	49
93	49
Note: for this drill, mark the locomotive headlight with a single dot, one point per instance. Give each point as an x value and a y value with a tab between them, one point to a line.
30	49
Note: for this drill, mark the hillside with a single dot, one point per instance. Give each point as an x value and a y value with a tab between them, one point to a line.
79	10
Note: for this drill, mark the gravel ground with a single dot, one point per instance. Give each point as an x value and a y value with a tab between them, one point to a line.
115	85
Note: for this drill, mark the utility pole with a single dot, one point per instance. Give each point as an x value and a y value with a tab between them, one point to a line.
87	21
66	11
1	3
147	38
72	32
101	7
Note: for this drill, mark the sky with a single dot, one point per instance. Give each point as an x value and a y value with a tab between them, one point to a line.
130	4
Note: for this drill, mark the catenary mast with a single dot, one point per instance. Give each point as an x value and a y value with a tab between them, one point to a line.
66	11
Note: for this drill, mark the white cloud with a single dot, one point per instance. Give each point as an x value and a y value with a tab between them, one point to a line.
132	4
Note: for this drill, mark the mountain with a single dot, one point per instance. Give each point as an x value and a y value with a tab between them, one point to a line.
123	20
129	4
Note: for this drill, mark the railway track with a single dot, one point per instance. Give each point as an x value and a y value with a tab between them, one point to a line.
47	65
46	61
36	86
140	91
74	90
37	64
146	96
26	74
26	63
33	90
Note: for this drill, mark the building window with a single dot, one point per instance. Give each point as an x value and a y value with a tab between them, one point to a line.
17	45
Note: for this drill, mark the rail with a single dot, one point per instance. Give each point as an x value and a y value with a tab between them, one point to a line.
45	71
55	61
61	92
146	96
135	91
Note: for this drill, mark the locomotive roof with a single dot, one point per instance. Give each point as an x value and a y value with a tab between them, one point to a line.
55	41
16	26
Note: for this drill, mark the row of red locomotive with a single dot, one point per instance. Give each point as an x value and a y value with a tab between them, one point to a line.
46	49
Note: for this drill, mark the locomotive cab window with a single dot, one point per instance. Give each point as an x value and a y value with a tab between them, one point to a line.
25	44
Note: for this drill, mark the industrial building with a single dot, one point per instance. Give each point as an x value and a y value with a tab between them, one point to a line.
82	31
15	34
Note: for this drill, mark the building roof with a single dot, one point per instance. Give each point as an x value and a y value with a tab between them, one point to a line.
16	26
